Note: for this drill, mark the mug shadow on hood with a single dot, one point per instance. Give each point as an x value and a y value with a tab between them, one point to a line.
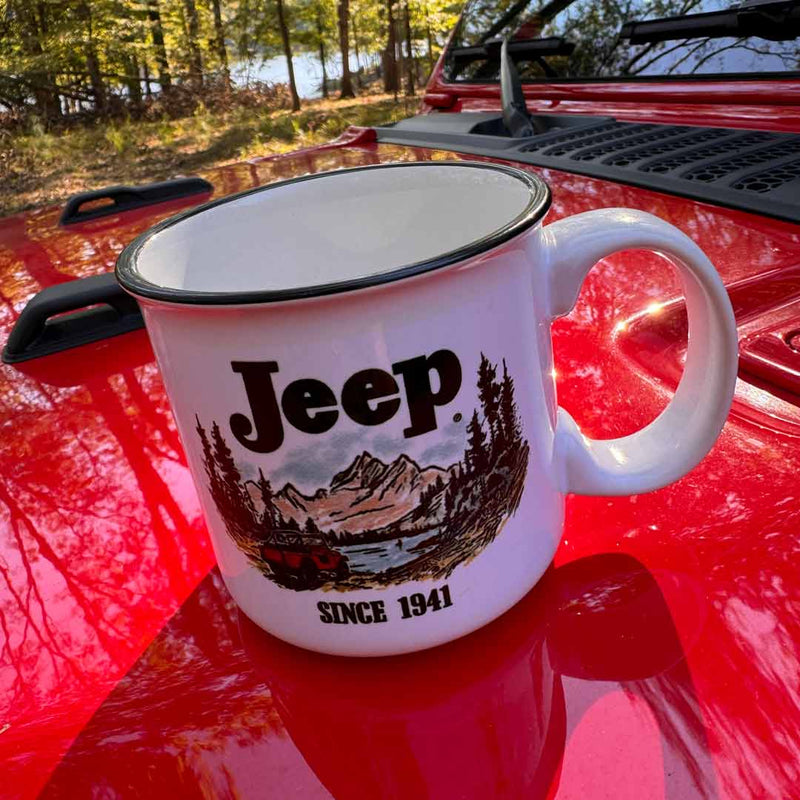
488	715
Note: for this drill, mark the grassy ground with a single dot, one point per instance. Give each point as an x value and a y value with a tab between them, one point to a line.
37	168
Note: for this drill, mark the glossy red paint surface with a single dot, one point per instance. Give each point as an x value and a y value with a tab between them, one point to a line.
660	657
763	104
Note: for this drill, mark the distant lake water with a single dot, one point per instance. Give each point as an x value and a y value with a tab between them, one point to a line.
380	556
307	72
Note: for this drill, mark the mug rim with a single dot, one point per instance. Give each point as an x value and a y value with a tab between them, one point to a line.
132	281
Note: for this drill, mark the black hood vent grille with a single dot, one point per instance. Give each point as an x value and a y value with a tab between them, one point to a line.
719	170
763	182
570	142
727	142
755	171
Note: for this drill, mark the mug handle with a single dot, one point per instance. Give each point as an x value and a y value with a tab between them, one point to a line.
685	431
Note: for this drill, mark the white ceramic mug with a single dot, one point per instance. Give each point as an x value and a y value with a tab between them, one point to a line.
359	363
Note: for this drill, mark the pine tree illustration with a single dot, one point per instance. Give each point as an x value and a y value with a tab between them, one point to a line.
267	498
236	505
208	456
509	415
476	456
489	394
450	499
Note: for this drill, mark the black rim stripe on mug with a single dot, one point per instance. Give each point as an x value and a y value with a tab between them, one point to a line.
131	279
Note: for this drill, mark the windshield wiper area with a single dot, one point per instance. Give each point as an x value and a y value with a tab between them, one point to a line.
520	50
518	121
515	112
777	22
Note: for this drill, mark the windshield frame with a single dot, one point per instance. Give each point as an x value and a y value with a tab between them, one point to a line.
445	66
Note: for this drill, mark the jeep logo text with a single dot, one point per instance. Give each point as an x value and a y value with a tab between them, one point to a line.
368	397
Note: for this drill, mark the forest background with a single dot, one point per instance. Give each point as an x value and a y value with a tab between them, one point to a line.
99	92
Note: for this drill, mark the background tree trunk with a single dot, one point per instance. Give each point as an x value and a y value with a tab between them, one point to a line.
83	12
157	33
148	89
287	51
355	47
321	40
410	67
222	53
193	40
44	90
343	10
132	81
400	58
47	100
390	82
431	63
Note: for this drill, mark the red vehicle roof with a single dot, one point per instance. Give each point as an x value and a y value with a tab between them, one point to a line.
658	659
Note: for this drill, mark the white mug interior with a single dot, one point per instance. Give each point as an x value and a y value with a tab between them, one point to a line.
336	227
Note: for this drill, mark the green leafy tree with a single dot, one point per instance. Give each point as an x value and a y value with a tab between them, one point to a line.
112	57
193	43
159	46
283	27
219	42
409	55
316	32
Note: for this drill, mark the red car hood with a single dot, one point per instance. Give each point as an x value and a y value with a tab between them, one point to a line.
660	657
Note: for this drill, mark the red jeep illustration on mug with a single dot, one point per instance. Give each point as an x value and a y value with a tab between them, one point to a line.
302	557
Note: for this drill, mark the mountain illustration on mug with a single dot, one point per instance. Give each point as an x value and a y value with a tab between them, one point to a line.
375	523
